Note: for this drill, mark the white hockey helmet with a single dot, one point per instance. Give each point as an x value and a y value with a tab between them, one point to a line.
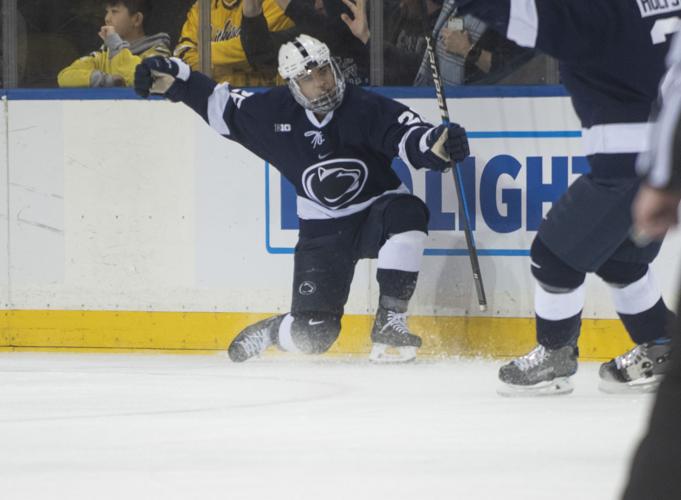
297	58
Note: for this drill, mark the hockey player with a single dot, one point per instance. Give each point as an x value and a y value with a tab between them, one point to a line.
334	142
611	56
656	465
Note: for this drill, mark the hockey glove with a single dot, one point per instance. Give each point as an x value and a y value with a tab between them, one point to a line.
155	75
445	142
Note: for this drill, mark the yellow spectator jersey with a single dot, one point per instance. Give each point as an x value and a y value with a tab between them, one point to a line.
116	57
227	54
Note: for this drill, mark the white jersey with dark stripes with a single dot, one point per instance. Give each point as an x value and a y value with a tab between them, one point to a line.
662	165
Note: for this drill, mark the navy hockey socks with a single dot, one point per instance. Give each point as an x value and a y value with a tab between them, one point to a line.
396	284
555	334
649	325
641	309
559	316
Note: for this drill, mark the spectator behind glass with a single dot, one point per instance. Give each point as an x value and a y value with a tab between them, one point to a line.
469	53
327	20
125	45
404	43
227	54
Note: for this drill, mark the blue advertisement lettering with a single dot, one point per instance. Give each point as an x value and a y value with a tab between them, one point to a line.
503	217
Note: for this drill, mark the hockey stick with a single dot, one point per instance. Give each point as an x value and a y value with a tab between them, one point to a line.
456	169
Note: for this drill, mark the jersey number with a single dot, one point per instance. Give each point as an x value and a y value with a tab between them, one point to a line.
663	28
409	118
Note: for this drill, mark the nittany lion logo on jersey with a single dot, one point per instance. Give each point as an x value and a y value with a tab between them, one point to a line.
335	183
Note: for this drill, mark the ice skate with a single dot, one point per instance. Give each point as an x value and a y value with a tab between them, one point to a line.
541	372
254	339
638	370
392	340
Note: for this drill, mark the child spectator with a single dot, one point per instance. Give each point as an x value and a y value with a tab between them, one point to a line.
125	45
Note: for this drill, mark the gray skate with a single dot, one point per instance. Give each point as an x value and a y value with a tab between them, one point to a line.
541	372
255	339
638	370
392	340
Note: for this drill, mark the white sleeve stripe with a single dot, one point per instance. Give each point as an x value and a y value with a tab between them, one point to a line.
402	149
423	142
184	69
217	102
523	23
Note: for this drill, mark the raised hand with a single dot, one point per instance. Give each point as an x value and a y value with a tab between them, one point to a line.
106	31
457	42
359	22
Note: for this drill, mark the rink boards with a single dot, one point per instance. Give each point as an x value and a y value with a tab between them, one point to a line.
131	225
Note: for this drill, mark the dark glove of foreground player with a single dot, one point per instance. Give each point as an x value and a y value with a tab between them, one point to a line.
445	142
155	75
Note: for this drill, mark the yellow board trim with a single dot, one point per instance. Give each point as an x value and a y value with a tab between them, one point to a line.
196	332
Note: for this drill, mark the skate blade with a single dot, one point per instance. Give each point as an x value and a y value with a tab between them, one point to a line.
642	386
383	353
554	387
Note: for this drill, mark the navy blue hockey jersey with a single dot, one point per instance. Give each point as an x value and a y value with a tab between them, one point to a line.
339	166
611	55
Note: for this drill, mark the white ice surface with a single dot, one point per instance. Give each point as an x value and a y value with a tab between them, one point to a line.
102	427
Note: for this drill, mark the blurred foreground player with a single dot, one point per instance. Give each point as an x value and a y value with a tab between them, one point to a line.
334	142
611	56
657	463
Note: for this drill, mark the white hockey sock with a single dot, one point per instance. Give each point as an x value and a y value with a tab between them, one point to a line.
558	306
403	251
638	296
285	338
